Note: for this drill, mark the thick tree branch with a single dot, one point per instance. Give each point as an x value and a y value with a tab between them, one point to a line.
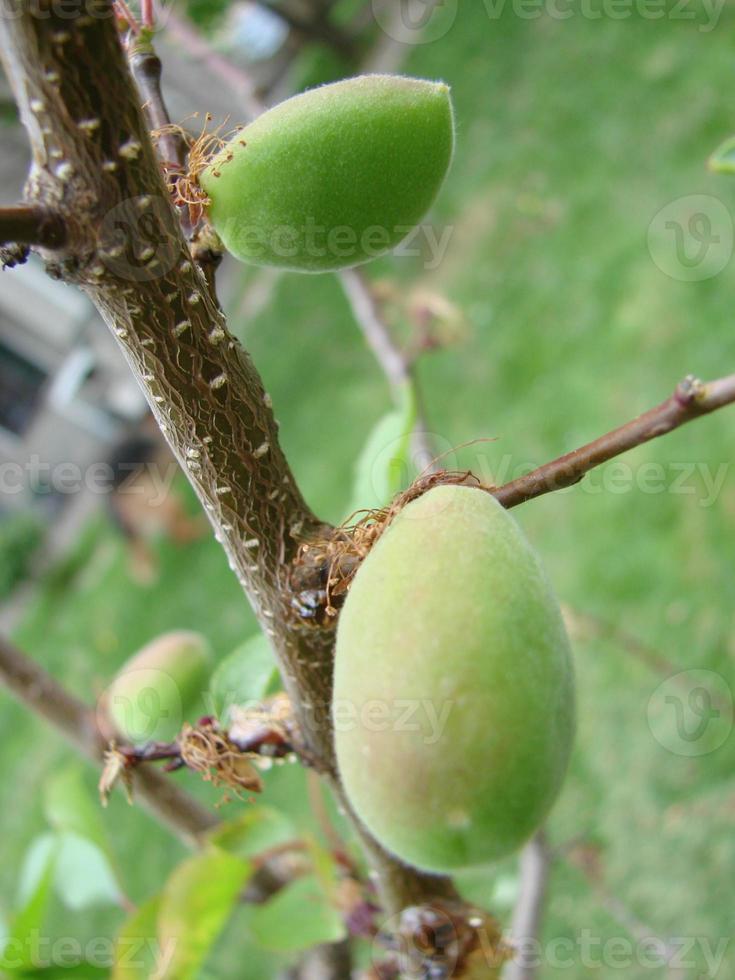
691	399
93	161
32	224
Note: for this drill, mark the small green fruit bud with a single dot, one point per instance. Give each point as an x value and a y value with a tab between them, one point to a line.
333	177
453	687
157	688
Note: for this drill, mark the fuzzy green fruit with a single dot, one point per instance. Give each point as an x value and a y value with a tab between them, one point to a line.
453	687
156	690
333	177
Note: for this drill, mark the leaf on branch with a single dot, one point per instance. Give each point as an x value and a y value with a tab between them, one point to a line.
196	902
384	465
299	916
84	878
257	830
70	806
138	954
247	674
722	160
36	882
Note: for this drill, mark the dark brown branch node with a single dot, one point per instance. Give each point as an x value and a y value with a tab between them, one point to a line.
29	225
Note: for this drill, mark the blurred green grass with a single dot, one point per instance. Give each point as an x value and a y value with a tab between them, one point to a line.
572	135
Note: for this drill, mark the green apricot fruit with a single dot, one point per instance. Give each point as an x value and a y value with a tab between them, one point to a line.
333	177
453	688
159	687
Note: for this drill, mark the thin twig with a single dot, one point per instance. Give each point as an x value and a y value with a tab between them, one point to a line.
317	28
529	910
195	45
40	692
691	399
30	224
393	362
329	961
587	624
376	332
147	70
171	805
587	860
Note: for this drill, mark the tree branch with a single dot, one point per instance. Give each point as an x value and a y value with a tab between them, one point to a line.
198	48
529	911
147	71
31	224
394	363
167	802
316	28
692	399
38	690
93	161
330	961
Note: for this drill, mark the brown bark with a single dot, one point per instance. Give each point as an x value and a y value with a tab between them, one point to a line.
94	165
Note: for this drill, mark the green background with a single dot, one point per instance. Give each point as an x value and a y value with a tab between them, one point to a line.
572	135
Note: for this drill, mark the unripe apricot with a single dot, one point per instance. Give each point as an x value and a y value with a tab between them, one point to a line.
333	177
156	689
453	687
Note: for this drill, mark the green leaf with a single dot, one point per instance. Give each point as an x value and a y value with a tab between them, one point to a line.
84	878
76	971
196	902
138	954
325	867
85	873
36	879
384	466
245	675
257	830
297	917
722	160
70	806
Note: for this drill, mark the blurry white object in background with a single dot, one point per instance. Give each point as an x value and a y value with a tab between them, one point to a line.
254	32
